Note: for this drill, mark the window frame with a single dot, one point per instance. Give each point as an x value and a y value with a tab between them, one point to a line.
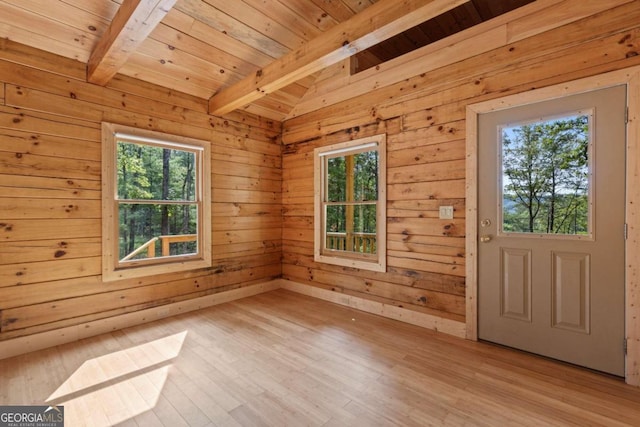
321	155
112	268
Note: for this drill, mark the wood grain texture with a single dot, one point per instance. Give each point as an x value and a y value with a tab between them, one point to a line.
632	296
519	24
281	358
50	190
376	23
204	47
133	22
425	120
50	159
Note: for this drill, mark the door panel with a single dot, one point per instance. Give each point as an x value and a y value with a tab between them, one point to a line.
516	284
551	261
570	294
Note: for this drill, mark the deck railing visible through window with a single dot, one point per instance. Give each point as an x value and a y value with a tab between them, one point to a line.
361	242
165	243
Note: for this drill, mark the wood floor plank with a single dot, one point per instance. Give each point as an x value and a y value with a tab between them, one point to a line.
281	358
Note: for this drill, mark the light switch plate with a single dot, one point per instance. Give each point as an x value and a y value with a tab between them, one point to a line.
446	212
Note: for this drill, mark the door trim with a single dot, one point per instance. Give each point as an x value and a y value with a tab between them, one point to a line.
628	76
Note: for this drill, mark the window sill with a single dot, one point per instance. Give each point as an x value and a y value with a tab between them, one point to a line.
151	270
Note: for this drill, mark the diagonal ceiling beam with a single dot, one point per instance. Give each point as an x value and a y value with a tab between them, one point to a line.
131	25
378	22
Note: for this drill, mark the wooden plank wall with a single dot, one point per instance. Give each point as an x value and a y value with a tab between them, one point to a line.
424	118
50	200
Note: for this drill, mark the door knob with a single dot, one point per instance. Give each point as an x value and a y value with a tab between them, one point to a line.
485	238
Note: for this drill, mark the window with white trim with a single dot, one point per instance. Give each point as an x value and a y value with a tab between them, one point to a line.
156	203
350	203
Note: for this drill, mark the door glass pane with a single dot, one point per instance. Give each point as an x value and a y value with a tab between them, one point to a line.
545	176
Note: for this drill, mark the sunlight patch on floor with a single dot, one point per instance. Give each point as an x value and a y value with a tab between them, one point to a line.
113	388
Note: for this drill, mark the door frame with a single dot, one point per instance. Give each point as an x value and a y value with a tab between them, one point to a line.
628	76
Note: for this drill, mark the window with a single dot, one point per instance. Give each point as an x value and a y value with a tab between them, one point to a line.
156	203
350	204
546	176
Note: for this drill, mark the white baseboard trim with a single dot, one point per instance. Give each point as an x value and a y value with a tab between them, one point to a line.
42	340
424	320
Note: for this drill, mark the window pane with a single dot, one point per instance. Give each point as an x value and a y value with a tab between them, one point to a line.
353	177
139	224
154	173
364	219
351	228
336	219
336	179
366	176
545	177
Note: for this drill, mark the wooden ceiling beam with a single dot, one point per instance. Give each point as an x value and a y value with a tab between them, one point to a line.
376	23
132	24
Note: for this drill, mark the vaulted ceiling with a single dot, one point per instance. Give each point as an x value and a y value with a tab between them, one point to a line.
261	56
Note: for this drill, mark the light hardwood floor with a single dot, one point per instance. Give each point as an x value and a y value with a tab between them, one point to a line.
282	359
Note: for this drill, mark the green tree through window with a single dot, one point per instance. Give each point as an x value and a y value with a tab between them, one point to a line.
350	205
352	182
545	174
156	203
156	197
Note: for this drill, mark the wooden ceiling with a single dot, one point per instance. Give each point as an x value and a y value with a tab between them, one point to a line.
258	55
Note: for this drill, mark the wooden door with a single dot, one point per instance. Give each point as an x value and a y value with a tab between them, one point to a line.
551	179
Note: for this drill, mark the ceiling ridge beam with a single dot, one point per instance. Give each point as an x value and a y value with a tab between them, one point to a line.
376	23
131	25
